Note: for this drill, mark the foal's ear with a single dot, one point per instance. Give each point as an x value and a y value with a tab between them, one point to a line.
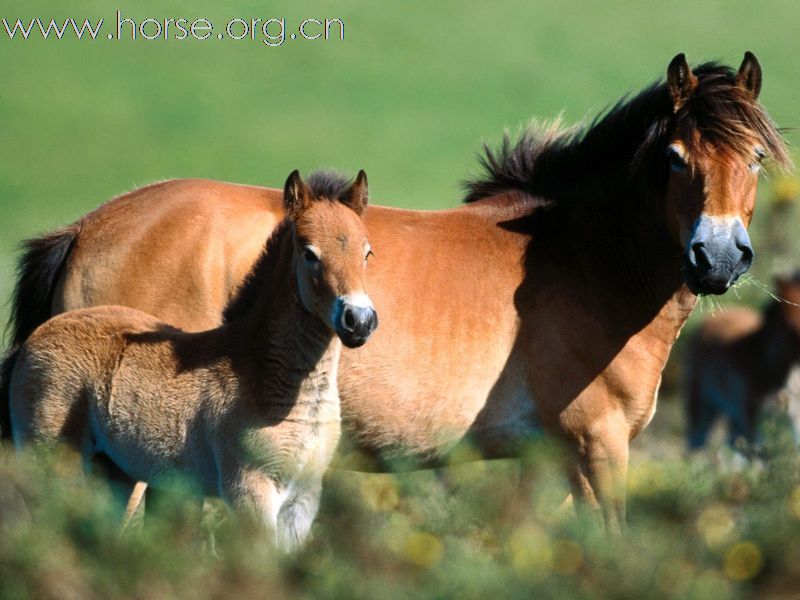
358	194
681	82
749	75
295	194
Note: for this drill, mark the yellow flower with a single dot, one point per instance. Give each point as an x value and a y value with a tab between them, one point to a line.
794	502
716	525
379	493
743	561
423	549
530	553
785	190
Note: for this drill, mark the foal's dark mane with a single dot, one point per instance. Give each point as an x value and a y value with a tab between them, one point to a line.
329	184
625	146
326	186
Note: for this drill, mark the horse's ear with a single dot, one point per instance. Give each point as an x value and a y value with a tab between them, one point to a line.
295	194
358	195
681	82
749	75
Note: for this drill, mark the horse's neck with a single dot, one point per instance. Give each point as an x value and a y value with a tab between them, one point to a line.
624	270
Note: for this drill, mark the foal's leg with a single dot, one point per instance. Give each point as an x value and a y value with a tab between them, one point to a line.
255	493
600	477
296	516
134	501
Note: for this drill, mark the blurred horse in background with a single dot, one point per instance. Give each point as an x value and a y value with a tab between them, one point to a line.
737	360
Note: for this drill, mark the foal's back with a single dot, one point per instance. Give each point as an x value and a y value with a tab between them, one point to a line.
121	371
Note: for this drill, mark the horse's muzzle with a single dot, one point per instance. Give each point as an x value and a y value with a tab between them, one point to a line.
718	252
355	321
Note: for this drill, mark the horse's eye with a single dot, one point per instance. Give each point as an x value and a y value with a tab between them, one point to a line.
368	254
310	255
676	162
760	155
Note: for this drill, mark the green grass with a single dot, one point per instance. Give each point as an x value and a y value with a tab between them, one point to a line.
696	530
409	95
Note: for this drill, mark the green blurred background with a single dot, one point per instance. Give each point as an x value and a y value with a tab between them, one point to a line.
409	94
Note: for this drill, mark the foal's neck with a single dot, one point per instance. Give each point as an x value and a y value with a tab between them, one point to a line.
294	354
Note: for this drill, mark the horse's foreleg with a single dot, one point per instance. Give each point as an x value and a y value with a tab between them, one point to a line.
600	476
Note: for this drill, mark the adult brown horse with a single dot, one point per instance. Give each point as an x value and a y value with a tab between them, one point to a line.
549	302
736	360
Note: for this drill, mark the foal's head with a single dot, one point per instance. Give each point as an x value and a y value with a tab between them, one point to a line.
715	143
331	251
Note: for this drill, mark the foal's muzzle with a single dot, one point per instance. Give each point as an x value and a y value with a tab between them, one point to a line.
718	252
354	319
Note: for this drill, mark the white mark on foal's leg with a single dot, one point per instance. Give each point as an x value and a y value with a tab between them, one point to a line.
295	519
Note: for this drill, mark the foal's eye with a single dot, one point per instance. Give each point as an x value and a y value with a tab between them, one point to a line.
368	254
676	161
310	255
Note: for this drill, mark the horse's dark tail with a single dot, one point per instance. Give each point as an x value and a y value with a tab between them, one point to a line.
5	392
38	271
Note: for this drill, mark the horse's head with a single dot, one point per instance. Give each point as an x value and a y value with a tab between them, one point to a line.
716	139
331	252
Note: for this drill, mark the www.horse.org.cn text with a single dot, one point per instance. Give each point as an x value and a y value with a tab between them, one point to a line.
270	31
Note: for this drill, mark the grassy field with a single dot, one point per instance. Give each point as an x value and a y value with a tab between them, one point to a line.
408	95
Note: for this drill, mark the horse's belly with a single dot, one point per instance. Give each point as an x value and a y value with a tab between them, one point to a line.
426	412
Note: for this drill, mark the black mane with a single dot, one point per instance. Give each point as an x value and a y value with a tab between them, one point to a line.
250	290
330	184
626	142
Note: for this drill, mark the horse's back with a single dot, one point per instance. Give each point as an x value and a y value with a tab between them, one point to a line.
201	236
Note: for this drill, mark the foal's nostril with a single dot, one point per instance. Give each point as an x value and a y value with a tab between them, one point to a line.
348	319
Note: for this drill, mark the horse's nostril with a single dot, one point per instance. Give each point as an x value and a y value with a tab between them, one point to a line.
700	256
349	320
747	252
